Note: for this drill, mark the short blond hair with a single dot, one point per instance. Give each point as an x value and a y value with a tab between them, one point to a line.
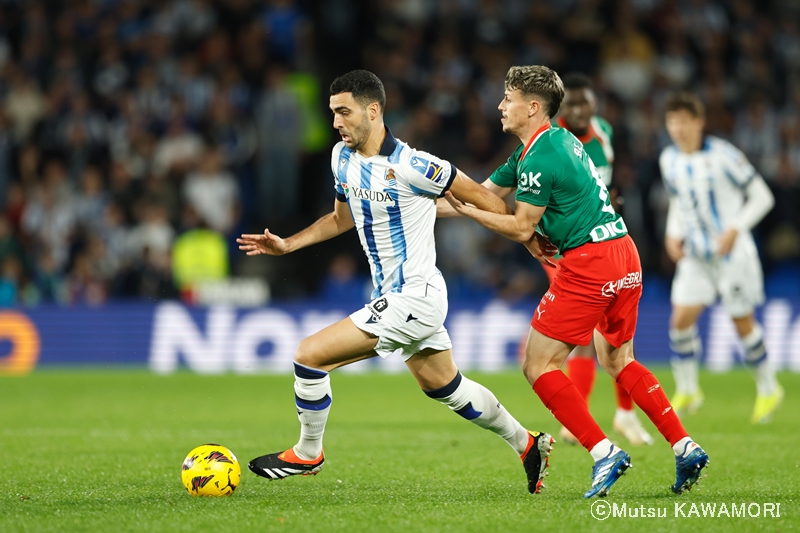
540	81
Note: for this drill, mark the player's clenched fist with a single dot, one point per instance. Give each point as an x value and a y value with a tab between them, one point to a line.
267	243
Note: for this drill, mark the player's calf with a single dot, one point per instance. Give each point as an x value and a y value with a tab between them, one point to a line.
474	402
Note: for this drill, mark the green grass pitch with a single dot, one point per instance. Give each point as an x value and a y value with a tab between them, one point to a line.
96	450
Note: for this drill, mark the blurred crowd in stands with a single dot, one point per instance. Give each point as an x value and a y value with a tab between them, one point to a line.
138	138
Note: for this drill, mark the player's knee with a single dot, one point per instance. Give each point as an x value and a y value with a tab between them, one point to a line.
677	322
682	319
745	325
307	354
615	360
532	369
612	366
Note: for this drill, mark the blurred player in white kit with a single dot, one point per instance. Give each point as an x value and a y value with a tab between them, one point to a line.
716	198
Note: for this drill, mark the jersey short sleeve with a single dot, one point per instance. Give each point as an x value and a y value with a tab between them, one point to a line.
536	178
506	174
665	162
427	174
735	164
337	184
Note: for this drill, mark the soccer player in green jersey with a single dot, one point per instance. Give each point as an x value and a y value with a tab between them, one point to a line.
561	200
578	116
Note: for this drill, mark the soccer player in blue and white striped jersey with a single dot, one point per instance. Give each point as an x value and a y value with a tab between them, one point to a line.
716	198
387	191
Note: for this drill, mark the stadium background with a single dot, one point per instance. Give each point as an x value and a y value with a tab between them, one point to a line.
138	138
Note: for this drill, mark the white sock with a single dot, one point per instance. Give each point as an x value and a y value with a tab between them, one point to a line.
624	413
692	373
686	348
313	397
477	404
684	446
766	379
756	356
601	450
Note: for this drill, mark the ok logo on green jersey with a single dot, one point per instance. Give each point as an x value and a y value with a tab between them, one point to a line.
528	179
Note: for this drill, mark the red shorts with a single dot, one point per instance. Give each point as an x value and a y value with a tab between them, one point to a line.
597	286
550	271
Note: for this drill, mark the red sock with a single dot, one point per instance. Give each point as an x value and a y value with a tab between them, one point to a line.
581	372
624	400
559	395
646	391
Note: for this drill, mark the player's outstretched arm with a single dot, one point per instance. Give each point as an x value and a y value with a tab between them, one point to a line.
267	244
480	196
518	226
331	225
443	207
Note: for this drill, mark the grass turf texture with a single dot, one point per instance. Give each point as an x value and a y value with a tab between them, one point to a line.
101	451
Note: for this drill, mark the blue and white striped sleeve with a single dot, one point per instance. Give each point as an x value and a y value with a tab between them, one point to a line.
734	164
427	174
666	163
336	171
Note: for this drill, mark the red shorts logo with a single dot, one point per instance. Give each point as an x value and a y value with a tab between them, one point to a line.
609	289
629	281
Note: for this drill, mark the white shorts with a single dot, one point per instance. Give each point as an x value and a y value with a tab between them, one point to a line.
736	279
406	323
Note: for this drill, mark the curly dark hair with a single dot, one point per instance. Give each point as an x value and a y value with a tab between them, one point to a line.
365	86
577	80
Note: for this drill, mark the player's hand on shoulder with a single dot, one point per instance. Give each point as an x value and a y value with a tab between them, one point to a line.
267	244
726	241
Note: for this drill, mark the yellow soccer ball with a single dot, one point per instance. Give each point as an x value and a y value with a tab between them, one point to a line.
211	470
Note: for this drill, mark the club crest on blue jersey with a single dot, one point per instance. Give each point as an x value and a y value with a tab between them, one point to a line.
419	164
434	172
